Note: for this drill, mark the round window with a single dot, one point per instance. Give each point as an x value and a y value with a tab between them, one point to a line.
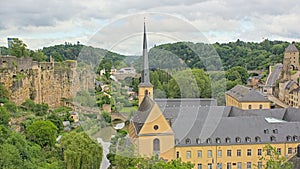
155	127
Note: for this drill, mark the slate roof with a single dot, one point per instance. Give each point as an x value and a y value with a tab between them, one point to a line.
141	115
291	48
289	85
242	93
183	102
223	122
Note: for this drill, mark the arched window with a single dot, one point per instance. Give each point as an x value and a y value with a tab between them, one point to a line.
146	92
238	139
187	141
156	145
177	141
249	106
248	139
218	140
273	138
257	139
227	140
288	138
266	131
295	138
208	141
260	106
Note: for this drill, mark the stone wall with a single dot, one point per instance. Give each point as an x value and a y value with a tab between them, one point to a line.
43	82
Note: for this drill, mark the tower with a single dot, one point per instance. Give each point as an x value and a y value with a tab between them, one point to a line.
291	56
145	87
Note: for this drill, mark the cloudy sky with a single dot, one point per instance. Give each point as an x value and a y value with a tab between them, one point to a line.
117	24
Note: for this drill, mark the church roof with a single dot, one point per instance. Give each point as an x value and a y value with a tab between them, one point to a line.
242	93
223	122
291	48
141	115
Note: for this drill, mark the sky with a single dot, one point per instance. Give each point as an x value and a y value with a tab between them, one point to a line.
117	25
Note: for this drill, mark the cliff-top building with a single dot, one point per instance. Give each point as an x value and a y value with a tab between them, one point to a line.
209	136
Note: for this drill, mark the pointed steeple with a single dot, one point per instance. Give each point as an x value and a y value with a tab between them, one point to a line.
145	69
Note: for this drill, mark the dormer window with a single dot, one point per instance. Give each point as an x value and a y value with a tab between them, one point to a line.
187	141
257	139
198	140
238	140
273	138
208	141
248	139
266	131
218	140
275	131
177	141
288	138
227	140
295	138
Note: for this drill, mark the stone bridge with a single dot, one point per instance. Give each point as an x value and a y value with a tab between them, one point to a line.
117	115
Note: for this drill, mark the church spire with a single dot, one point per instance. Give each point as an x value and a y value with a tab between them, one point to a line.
145	68
145	87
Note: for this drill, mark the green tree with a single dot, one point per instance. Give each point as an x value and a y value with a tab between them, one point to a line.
274	160
4	116
10	157
4	95
80	151
42	132
18	48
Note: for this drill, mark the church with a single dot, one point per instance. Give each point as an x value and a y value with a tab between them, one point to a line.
210	136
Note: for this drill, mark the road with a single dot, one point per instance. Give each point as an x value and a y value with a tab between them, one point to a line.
274	75
277	101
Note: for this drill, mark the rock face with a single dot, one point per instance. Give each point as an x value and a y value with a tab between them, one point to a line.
43	82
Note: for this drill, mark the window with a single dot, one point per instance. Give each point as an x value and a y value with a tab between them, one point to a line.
199	166
257	139
249	152
187	141
218	140
259	152
279	151
146	92
295	138
209	153
275	131
228	153
227	140
288	138
155	127
199	153
273	138
208	141
268	152
219	165
249	107
260	106
248	139
259	165
156	145
198	140
248	165
177	154
176	141
238	139
188	154
228	165
238	153
209	166
266	131
219	153
290	150
239	165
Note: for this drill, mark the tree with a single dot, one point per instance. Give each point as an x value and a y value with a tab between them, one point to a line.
80	151
10	157
4	95
18	49
4	116
42	132
274	160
